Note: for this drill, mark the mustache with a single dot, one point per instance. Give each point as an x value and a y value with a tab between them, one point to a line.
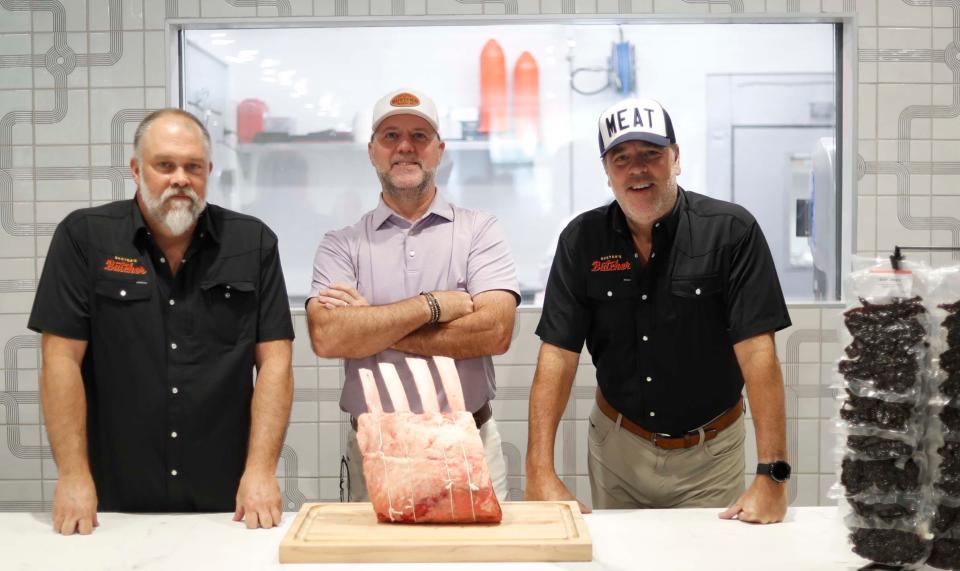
188	192
406	160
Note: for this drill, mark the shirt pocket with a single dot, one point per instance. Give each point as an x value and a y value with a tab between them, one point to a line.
122	291
121	308
704	287
614	302
697	305
230	308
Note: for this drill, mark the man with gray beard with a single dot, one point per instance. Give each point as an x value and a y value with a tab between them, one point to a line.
415	276
154	313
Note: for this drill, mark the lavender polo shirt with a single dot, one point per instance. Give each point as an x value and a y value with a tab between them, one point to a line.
388	259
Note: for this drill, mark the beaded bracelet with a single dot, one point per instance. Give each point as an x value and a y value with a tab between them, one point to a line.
434	306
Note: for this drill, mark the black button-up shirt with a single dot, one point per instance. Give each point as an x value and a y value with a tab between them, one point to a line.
168	371
662	336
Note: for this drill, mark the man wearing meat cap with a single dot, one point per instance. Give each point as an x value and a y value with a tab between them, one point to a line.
414	276
677	298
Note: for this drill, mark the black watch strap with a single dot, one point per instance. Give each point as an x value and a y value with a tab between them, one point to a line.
778	470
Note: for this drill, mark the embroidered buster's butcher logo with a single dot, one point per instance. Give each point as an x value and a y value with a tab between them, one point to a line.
405	100
610	263
121	265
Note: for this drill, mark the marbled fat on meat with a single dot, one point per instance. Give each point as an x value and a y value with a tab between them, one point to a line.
425	467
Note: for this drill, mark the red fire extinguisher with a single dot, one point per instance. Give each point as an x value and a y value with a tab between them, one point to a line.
526	98
250	114
493	89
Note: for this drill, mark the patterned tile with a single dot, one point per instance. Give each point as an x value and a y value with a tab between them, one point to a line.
87	103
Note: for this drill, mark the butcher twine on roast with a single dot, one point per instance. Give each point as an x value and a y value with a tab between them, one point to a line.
429	467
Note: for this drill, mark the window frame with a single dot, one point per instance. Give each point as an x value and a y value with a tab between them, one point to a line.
846	41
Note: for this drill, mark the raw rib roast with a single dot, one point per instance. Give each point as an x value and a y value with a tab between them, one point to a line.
429	467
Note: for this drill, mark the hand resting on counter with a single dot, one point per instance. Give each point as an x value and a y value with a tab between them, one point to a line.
765	501
75	505
550	488
258	501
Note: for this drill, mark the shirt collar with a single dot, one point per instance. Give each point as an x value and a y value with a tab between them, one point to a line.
205	224
667	224
438	206
138	227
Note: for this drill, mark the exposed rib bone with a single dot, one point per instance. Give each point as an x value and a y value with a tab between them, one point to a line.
394	387
370	392
424	381
451	383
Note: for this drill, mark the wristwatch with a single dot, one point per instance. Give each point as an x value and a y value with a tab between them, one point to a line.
778	470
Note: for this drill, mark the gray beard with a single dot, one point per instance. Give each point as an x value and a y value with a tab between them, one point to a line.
178	220
411	194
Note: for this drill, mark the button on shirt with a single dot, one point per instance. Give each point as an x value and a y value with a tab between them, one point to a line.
168	370
389	259
662	336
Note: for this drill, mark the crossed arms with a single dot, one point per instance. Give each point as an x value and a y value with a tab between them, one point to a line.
344	325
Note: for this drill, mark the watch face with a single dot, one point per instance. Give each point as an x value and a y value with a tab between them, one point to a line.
780	471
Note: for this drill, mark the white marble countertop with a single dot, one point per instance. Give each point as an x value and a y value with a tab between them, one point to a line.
811	539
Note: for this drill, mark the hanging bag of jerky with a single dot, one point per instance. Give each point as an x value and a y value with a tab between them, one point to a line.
946	528
883	415
942	439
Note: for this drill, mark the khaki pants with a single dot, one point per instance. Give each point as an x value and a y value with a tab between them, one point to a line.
627	471
356	485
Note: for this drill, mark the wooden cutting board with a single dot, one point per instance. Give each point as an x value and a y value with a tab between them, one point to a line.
350	533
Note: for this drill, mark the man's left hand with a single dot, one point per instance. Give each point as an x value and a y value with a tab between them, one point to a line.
764	502
341	295
258	501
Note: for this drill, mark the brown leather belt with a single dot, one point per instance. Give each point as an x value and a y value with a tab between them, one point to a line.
711	429
483	414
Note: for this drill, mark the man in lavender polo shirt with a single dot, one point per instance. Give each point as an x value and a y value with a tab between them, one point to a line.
368	306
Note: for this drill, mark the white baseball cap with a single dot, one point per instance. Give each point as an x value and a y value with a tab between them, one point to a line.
405	102
635	120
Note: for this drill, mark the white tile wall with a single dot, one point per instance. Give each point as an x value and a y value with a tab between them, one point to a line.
105	104
128	70
682	7
188	8
12	100
21	495
901	14
19	458
154	14
892	99
902	73
73	128
324	8
221	9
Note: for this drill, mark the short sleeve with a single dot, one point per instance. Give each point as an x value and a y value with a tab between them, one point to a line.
490	264
565	318
755	301
62	303
273	320
332	263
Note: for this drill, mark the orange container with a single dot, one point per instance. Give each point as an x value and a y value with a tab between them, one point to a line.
526	98
493	89
250	114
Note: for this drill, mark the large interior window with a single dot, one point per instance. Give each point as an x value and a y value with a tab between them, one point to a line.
755	107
